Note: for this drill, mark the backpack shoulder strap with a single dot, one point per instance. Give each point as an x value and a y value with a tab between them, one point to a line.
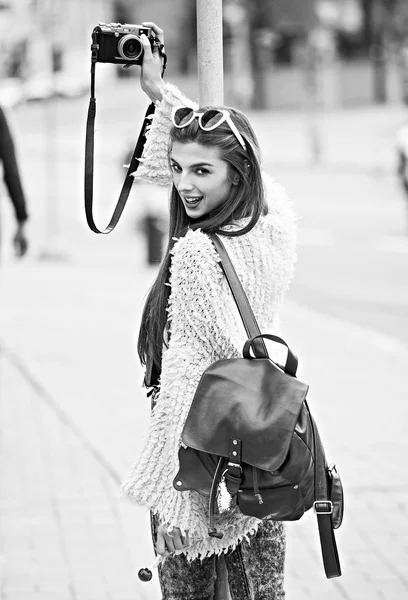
240	297
323	507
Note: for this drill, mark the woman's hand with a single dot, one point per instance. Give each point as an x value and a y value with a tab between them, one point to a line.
152	67
170	541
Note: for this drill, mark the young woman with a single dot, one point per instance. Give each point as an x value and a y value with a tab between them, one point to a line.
210	157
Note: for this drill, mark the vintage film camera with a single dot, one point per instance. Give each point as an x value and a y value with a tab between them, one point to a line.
120	44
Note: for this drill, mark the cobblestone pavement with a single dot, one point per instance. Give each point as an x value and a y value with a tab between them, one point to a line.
72	415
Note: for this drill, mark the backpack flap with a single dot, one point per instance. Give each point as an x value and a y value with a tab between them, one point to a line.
249	399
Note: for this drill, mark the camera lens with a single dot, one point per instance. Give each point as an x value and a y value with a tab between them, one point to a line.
130	47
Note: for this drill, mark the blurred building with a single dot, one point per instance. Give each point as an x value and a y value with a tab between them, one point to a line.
361	47
358	49
43	42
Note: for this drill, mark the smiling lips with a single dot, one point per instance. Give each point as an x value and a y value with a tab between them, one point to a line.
192	201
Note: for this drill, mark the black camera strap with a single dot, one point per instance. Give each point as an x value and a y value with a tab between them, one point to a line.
89	152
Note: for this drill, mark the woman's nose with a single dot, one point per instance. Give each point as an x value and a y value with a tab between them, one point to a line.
185	184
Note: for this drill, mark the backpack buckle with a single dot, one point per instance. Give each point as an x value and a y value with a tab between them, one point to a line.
233	477
235	465
323	507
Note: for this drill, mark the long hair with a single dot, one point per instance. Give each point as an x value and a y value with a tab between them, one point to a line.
247	199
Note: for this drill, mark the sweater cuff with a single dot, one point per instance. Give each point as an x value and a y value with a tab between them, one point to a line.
154	164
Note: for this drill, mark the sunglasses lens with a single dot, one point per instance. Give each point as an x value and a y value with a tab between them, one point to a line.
183	116
211	118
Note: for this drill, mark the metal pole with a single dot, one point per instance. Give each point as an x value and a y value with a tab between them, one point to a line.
210	52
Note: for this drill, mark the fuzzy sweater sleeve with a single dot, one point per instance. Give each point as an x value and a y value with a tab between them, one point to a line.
154	163
202	330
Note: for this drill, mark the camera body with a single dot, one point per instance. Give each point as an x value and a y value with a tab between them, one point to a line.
120	44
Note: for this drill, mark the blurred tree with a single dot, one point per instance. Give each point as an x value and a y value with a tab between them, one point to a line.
252	34
188	28
263	36
381	24
400	34
237	51
269	20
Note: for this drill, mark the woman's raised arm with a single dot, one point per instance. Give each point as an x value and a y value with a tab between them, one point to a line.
154	164
151	79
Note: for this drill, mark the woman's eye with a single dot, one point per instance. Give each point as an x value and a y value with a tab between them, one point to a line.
202	171
175	168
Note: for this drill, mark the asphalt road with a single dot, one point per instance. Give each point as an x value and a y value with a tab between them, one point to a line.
353	247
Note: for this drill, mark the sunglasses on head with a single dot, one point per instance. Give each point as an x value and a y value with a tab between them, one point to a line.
208	120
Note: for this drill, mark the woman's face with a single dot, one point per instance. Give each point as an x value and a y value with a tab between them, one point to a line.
200	176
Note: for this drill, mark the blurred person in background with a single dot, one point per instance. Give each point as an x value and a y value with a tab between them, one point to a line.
402	158
402	152
12	180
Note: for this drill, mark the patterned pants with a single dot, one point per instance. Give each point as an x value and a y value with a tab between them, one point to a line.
255	570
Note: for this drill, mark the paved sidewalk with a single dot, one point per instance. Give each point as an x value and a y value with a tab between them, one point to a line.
62	526
64	360
357	398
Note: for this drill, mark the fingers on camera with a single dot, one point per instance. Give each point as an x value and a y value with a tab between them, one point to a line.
157	31
146	45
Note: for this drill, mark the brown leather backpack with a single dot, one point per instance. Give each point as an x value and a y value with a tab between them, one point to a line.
249	427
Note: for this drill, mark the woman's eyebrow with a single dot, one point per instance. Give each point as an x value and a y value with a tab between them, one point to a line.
195	165
202	164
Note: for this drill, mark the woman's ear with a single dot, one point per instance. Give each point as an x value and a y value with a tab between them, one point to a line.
234	176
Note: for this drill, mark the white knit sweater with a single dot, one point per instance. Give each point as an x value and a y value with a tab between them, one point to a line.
205	327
